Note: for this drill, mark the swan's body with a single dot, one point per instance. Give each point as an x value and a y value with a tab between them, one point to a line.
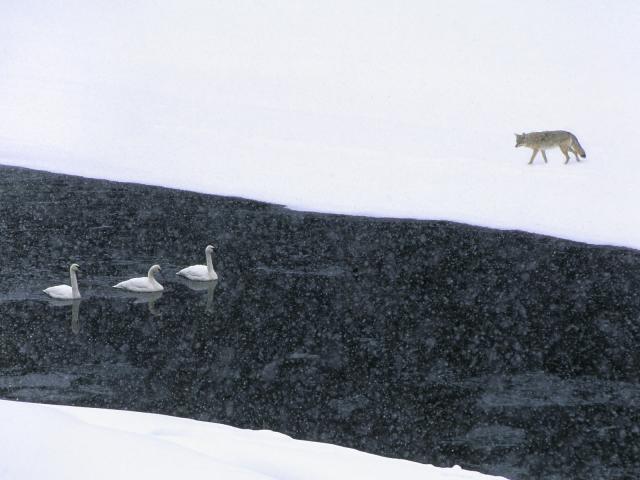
142	284
66	292
201	273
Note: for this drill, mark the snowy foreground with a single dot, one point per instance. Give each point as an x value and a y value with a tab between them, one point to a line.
372	108
56	442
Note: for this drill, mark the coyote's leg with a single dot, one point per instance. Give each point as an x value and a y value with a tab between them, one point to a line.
565	151
544	155
575	152
535	152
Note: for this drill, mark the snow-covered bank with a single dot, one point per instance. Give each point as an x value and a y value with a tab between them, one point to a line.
56	442
388	110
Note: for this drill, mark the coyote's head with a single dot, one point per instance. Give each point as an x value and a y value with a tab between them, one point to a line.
519	140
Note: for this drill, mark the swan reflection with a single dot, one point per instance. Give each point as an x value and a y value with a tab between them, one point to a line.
150	299
143	297
75	311
199	286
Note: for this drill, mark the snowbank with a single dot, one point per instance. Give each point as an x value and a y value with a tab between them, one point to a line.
401	110
56	442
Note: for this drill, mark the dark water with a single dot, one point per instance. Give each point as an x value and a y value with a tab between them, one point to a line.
503	352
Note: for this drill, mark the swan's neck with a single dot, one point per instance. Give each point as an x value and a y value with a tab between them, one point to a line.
209	264
152	279
75	292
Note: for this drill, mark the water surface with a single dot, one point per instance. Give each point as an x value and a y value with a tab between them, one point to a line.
503	352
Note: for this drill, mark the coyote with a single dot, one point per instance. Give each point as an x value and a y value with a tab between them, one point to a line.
540	141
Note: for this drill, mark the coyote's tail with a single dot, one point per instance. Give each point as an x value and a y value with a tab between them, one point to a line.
576	144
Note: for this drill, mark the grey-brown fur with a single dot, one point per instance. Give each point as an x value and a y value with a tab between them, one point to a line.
541	141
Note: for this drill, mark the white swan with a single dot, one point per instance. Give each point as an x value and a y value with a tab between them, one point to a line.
201	273
66	292
142	284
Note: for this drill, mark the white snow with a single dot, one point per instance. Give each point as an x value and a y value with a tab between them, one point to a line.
58	442
372	108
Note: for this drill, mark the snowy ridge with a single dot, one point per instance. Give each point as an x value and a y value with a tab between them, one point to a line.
57	442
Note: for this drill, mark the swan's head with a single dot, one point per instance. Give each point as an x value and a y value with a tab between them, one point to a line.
209	249
155	269
74	267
